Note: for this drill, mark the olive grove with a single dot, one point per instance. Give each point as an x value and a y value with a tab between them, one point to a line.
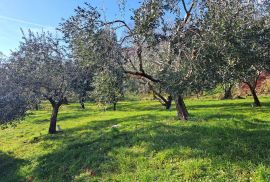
175	48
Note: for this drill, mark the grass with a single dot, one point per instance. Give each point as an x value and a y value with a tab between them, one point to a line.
224	141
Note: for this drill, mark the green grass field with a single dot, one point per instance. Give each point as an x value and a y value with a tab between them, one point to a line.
223	141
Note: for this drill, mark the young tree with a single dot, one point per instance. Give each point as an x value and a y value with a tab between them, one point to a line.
109	87
41	67
81	82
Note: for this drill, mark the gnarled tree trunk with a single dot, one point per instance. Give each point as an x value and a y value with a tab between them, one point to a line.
257	102
181	109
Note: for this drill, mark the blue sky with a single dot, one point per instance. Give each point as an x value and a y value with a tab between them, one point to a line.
46	15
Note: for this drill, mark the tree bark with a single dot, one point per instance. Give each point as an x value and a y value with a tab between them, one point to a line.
168	104
257	102
181	109
36	107
82	103
165	102
114	106
228	93
52	129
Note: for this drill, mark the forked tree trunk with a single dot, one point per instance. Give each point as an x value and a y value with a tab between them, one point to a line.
257	102
181	109
52	129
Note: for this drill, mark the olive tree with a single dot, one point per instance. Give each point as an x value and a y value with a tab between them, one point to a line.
238	34
40	66
108	87
155	49
81	82
172	63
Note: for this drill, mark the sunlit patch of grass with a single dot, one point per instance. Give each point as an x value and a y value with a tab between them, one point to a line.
223	141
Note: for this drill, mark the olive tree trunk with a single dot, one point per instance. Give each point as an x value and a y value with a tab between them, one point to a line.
257	102
181	109
82	103
228	92
52	129
114	106
55	110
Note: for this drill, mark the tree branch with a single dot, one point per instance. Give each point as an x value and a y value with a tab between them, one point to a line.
162	99
119	21
144	75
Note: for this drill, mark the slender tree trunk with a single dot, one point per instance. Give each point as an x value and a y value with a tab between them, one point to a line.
257	102
168	104
181	109
82	103
157	95
114	106
52	129
36	107
228	93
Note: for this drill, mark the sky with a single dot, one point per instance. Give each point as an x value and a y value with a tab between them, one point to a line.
46	15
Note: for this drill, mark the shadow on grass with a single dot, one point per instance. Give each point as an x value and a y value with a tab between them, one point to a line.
226	104
67	116
138	106
9	167
97	147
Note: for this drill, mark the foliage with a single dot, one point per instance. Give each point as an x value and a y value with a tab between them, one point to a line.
41	66
238	35
108	87
81	81
13	102
155	50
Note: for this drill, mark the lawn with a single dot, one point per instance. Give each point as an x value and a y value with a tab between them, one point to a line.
223	141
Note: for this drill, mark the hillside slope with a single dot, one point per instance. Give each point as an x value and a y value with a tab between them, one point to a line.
224	141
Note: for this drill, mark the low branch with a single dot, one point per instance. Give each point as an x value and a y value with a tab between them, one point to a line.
143	75
161	99
119	21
